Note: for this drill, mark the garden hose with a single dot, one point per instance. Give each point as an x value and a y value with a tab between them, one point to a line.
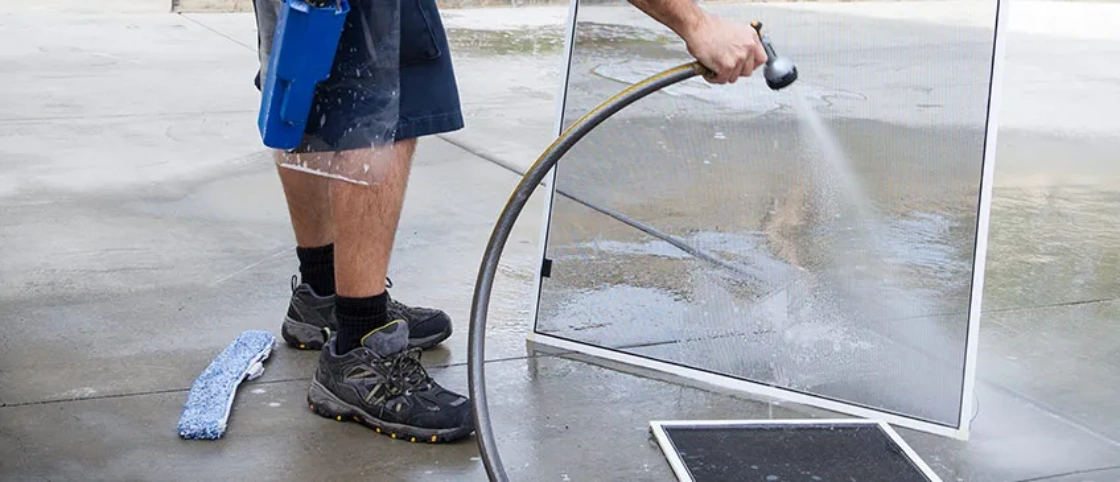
476	340
779	73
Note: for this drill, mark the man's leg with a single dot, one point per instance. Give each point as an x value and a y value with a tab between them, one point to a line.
309	207
366	372
310	316
380	382
365	224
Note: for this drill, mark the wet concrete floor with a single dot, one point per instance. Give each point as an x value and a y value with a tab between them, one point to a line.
142	236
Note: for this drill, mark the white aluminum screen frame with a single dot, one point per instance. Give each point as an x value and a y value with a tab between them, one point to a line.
703	377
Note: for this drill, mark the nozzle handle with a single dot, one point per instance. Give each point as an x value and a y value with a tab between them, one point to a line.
766	46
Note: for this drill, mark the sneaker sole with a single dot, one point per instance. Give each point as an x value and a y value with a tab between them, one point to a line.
326	405
303	336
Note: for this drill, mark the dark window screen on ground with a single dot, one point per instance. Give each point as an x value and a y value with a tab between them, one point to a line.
810	453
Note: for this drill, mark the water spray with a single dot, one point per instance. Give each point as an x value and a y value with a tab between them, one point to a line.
780	72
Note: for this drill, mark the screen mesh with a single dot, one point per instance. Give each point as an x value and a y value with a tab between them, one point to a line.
828	229
775	453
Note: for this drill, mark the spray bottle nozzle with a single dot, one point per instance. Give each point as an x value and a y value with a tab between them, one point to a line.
780	71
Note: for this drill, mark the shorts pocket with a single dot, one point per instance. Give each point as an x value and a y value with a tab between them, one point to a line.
420	40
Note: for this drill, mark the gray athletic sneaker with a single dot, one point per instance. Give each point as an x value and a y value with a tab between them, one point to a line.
310	320
427	327
382	385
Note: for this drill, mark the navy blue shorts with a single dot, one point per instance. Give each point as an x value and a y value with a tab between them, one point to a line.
429	95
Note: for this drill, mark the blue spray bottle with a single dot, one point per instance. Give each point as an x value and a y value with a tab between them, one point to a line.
303	48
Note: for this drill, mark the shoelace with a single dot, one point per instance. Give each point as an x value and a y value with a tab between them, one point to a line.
406	371
405	374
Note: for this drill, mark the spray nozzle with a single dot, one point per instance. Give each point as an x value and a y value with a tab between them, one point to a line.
780	71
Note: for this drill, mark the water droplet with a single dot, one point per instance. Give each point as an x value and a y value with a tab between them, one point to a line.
274	404
719	135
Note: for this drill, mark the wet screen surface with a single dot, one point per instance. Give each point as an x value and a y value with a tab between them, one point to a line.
831	226
802	453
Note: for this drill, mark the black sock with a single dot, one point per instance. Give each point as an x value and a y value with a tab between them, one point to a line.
357	317
316	268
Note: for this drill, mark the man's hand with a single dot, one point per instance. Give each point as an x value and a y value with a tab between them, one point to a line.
728	49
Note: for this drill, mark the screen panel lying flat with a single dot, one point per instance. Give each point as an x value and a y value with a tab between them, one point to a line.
791	452
831	226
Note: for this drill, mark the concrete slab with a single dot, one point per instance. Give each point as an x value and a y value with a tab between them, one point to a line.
551	415
88	155
191	6
117	65
1061	359
123	100
53	7
1044	233
1092	475
1013	441
241	28
1092	20
106	296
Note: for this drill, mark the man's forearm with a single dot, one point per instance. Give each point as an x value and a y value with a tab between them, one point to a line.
682	16
728	50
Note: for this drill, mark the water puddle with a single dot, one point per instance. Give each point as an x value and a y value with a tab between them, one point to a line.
796	326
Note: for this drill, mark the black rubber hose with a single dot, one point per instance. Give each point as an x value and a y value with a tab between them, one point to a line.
476	340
